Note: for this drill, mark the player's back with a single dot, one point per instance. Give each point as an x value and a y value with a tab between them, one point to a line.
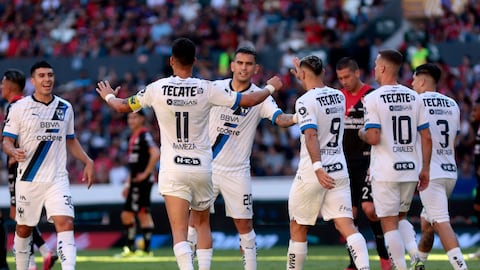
444	118
399	114
182	107
324	109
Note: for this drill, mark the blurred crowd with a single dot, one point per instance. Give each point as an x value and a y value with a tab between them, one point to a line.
102	28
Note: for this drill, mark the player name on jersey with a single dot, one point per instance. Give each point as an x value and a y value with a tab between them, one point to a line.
180	91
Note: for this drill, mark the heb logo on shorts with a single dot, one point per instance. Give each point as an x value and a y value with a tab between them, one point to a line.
404	166
186	161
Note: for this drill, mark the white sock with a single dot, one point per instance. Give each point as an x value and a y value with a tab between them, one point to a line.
297	253
247	242
396	249
66	249
22	248
408	235
423	255
183	253
357	246
192	235
204	257
31	261
456	259
44	250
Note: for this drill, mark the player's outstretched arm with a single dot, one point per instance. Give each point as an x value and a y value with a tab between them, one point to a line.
110	96
76	150
286	120
252	99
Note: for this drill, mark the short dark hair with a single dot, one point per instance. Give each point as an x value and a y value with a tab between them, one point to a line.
429	69
312	62
392	56
15	76
39	64
347	62
183	49
247	50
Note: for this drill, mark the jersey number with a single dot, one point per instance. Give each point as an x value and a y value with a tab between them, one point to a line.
402	129
334	130
182	122
444	132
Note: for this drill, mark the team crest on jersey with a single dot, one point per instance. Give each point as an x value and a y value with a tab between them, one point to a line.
60	111
241	111
60	114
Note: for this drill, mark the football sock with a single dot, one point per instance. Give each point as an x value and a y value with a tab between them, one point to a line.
297	253
147	237
23	250
357	246
379	239
408	235
130	231
183	253
456	259
66	250
204	257
396	249
249	248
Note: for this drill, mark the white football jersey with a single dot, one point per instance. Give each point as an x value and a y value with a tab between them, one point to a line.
41	130
232	131
399	113
182	107
444	118
323	109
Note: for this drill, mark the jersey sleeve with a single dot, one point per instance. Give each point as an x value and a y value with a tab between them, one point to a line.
306	115
269	109
12	123
142	99
221	96
372	119
70	124
422	115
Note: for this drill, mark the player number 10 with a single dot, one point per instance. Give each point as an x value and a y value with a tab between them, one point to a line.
402	129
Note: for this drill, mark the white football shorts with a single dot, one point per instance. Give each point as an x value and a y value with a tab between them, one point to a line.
236	191
435	200
196	188
308	198
391	198
33	196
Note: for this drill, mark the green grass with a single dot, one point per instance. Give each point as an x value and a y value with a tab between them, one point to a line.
319	257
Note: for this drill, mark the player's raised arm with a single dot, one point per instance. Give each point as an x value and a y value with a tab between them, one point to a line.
110	96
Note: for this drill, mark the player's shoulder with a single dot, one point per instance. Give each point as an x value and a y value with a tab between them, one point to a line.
62	100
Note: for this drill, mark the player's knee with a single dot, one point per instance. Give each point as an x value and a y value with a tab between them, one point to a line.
243	225
369	211
63	223
23	231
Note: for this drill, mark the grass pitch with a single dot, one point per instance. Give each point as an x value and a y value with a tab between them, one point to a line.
319	257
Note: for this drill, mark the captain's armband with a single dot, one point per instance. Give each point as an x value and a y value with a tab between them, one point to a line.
134	103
